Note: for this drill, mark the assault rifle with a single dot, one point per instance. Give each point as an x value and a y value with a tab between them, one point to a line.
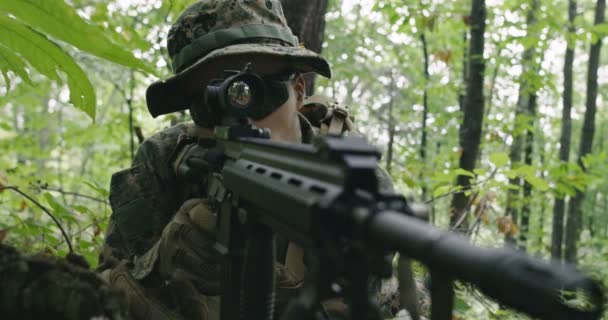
325	197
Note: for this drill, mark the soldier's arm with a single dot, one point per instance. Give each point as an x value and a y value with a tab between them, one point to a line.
143	199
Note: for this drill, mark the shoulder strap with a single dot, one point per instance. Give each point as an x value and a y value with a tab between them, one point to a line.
329	117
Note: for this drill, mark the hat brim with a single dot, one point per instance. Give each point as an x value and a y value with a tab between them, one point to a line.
178	92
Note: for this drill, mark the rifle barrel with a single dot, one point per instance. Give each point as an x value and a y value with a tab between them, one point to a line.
524	283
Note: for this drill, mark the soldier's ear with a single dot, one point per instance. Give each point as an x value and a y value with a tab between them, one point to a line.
299	86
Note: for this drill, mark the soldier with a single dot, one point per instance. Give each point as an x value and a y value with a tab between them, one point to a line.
158	243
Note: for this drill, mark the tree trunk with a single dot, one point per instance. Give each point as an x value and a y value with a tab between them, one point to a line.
543	199
307	20
515	154
525	211
557	234
465	65
425	112
575	213
470	128
391	124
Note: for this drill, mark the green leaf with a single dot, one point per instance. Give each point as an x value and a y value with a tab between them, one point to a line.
47	57
526	171
59	20
7	80
443	177
101	191
480	172
5	126
55	205
12	62
499	159
462	172
537	183
83	210
460	305
440	191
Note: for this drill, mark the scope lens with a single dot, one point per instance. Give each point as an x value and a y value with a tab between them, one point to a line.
239	94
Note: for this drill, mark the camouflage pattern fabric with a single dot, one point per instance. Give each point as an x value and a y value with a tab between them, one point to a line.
44	287
209	25
205	17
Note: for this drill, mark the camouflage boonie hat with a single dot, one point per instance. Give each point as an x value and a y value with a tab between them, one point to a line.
214	35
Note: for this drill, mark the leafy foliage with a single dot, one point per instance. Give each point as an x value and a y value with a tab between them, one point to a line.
24	26
49	58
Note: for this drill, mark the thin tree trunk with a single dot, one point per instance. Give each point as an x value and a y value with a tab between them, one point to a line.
605	208
543	199
591	215
575	213
490	97
470	129
525	212
391	125
515	154
425	111
129	101
307	20
465	65
557	233
432	204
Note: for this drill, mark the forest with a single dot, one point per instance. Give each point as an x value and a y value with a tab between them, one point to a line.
492	113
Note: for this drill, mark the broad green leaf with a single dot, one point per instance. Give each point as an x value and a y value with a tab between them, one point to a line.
537	183
600	29
526	171
83	210
460	305
462	172
57	207
101	191
443	177
409	181
59	20
47	57
10	61
5	126
499	159
440	191
3	180
480	172
7	79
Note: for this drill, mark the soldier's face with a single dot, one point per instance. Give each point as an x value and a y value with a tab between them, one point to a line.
288	111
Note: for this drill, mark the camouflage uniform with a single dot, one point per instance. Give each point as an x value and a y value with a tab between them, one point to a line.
209	37
45	287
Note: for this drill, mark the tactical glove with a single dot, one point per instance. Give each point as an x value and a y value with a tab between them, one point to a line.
196	160
185	250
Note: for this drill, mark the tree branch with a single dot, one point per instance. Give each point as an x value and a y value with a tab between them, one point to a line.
65	235
75	194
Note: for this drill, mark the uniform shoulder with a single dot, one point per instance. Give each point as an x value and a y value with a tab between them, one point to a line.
162	144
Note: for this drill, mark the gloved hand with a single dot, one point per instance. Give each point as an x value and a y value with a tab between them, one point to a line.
185	250
196	160
186	256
